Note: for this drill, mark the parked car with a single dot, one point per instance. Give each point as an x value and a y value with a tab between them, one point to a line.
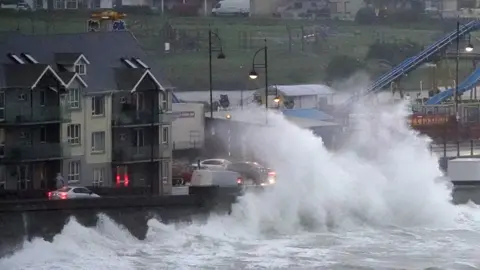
253	173
72	192
232	8
213	164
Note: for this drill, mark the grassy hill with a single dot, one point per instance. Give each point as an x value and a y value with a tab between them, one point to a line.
299	51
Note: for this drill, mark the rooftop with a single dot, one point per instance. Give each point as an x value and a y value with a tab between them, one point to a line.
302	90
104	51
301	122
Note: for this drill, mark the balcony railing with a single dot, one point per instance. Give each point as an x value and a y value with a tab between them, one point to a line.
134	118
27	115
46	151
136	154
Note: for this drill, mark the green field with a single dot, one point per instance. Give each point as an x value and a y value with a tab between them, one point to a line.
292	59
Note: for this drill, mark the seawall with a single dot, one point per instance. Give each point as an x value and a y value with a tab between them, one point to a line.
18	226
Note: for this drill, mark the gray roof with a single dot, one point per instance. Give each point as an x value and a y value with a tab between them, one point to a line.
103	50
66	58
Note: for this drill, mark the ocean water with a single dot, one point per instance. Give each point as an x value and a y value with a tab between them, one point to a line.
377	204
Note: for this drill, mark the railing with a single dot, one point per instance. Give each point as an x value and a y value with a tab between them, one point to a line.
132	154
25	115
46	151
183	145
133	118
457	149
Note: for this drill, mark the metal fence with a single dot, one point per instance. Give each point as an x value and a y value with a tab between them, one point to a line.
457	149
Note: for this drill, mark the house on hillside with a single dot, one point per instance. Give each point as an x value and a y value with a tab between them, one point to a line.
90	106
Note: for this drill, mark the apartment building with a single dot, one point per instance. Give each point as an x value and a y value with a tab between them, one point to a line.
89	106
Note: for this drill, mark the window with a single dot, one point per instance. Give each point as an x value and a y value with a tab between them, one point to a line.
25	138
81	69
22	97
81	190
73	172
139	138
23	181
165	171
3	178
164	105
73	134
43	134
96	4
165	135
98	106
2	105
98	142
72	4
59	4
74	98
98	177
38	4
42	97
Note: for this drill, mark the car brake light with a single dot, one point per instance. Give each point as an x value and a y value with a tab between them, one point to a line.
239	180
117	179
49	194
126	182
271	174
63	195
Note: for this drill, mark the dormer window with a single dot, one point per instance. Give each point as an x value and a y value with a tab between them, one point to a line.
81	69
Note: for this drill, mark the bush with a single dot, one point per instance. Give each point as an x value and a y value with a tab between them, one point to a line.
365	15
393	52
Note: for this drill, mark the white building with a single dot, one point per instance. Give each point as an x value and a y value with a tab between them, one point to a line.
304	96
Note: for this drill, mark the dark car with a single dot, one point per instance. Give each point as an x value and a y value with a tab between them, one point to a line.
253	172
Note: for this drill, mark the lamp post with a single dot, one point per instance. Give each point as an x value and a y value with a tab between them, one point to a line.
254	75
468	48
220	55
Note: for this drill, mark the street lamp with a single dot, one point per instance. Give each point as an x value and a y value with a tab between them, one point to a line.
254	75
468	48
220	55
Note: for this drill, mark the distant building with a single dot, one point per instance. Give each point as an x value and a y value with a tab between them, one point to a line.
304	96
90	106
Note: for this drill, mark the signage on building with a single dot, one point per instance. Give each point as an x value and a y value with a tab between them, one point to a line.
428	120
190	114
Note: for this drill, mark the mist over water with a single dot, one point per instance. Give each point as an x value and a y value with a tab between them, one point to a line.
373	203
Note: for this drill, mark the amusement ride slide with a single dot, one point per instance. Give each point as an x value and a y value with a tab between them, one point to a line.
415	61
469	83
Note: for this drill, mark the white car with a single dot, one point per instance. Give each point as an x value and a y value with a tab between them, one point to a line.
72	192
213	164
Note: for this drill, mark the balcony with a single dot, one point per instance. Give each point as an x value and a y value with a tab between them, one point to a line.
29	116
37	152
145	118
136	154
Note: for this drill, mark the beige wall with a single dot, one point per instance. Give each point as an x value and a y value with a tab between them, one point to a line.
188	127
89	124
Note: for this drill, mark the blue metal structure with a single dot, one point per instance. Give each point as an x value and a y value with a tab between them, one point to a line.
413	62
470	82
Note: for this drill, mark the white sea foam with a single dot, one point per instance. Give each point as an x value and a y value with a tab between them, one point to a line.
373	203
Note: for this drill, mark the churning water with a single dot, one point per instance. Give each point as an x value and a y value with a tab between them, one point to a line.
376	204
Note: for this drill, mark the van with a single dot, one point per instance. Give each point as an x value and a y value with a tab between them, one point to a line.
232	8
216	178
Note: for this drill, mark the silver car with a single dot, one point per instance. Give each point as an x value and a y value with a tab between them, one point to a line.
72	192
